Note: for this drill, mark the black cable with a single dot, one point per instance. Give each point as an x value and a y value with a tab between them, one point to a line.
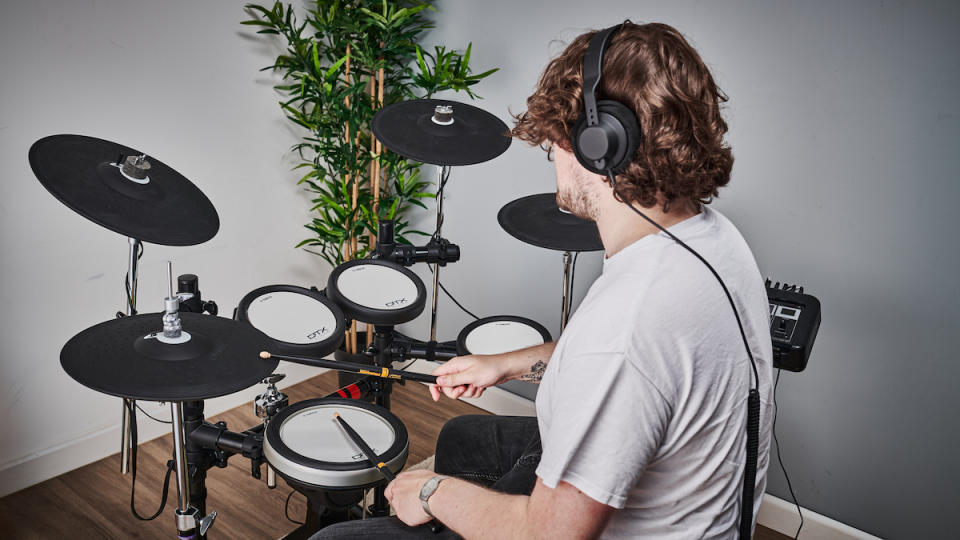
126	283
450	296
459	305
151	416
573	275
444	176
776	409
753	398
733	306
286	509
133	470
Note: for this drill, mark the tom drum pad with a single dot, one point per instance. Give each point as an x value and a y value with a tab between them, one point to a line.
376	291
297	320
500	334
305	443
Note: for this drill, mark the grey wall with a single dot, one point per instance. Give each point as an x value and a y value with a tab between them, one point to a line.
844	123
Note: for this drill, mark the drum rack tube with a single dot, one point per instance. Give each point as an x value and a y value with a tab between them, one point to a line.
351	367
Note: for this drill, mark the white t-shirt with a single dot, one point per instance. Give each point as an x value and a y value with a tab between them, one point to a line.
643	404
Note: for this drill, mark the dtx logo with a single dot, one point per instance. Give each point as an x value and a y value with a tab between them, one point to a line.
317	333
397	302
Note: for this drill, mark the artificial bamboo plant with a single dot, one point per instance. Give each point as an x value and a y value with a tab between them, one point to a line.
344	60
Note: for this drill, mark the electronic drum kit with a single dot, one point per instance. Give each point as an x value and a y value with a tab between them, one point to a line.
187	354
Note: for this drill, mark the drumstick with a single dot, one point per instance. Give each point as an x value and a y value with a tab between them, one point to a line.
365	448
435	525
353	367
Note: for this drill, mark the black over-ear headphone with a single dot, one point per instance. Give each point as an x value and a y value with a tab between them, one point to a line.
607	134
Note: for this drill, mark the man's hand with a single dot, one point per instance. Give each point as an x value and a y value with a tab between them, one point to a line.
468	376
404	494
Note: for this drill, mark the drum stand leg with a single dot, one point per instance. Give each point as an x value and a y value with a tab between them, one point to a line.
565	309
444	174
382	341
196	457
381	388
381	506
191	489
130	309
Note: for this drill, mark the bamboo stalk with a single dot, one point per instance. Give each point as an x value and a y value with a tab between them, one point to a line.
350	342
374	179
356	193
377	149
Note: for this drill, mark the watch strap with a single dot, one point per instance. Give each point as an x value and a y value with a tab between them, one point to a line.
428	489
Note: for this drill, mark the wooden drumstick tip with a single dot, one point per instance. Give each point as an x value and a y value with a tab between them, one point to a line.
336	415
265	355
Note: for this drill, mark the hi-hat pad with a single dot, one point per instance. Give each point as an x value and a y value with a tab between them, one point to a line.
537	220
113	186
123	357
441	132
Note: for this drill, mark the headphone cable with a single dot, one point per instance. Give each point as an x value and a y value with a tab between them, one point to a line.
753	398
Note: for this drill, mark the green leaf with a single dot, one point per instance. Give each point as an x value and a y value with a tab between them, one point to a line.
335	67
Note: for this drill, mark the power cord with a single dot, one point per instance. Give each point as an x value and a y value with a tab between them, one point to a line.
151	416
133	470
450	296
126	284
286	509
776	409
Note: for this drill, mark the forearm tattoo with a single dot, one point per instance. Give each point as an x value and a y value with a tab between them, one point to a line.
536	372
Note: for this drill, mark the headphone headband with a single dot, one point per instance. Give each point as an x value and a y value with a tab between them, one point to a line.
607	133
592	71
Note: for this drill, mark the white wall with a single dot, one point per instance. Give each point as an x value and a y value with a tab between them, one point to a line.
179	81
844	124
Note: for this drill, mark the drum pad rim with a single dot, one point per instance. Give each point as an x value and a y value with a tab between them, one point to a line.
272	435
462	336
321	348
366	314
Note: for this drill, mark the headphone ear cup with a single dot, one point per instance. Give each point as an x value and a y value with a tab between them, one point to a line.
619	114
578	128
624	132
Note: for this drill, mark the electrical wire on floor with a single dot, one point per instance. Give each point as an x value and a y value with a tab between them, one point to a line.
286	509
776	409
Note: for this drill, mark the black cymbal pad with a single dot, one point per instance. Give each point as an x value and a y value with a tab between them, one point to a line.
472	135
163	208
123	357
537	220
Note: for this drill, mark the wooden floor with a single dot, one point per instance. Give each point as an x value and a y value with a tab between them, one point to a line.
94	501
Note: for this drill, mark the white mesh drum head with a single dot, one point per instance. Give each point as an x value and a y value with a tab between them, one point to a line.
497	337
377	287
291	317
316	434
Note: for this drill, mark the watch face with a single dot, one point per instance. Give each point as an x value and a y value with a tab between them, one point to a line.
427	490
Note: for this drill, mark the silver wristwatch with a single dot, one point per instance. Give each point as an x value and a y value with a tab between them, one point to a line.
428	489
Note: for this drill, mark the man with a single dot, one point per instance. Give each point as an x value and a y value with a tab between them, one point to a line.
641	413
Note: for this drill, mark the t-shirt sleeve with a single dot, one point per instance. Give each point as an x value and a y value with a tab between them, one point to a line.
607	423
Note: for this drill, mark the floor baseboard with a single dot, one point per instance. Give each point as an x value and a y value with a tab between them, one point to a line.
44	464
781	516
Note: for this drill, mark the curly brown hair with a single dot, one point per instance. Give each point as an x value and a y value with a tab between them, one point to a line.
653	70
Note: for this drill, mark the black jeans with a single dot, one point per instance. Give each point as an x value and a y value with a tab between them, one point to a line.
499	452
